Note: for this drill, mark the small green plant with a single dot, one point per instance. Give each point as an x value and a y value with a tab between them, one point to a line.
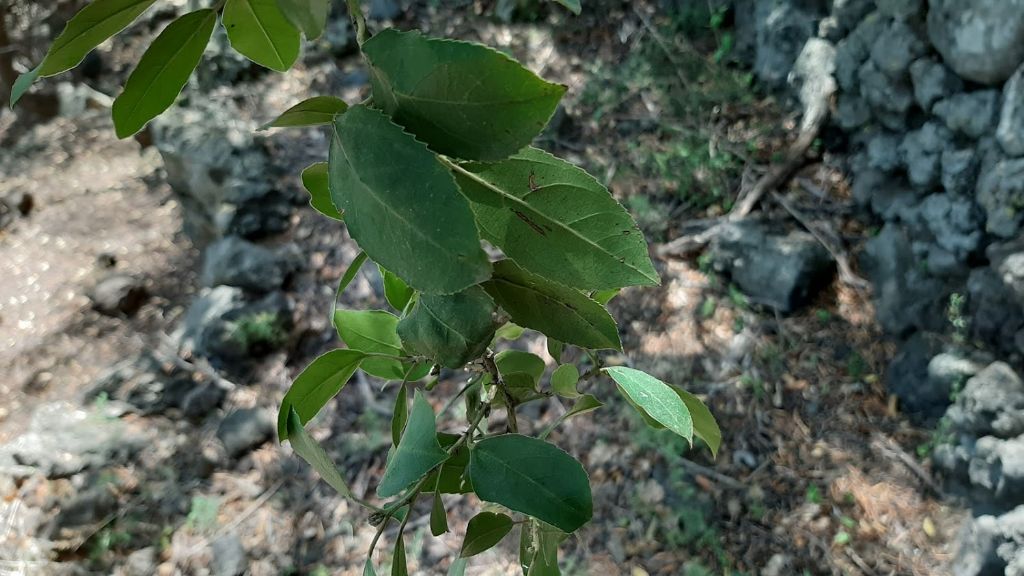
957	318
435	161
202	516
257	330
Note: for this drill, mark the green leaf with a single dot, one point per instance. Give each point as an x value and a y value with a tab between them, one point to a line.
346	279
564	379
516	361
451	477
557	311
310	450
538	549
368	568
400	415
315	111
533	477
704	424
509	332
557	221
450	330
314	180
163	71
87	30
483	532
603	297
654	398
463	99
585	403
411	220
418	452
316	385
398	561
572	5
555	350
373	331
458	567
22	84
310	16
259	31
438	517
396	291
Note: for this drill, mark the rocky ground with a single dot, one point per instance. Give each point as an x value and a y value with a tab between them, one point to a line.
159	294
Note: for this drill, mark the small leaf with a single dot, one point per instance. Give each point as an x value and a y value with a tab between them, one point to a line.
22	84
412	221
557	311
483	532
396	291
518	362
259	31
510	332
603	297
346	279
704	424
417	454
463	99
572	5
316	385
555	220
163	71
564	379
399	566
315	111
400	415
310	450
310	16
373	331
368	568
314	180
458	567
87	30
438	517
654	398
531	476
450	330
555	350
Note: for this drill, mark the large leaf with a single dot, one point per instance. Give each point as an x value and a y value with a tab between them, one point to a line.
558	311
533	477
316	385
417	453
310	16
314	111
163	71
88	29
450	330
259	31
373	331
557	221
654	398
704	424
484	531
314	180
401	206
311	451
464	100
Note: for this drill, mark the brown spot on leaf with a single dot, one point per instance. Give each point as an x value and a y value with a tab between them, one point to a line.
530	222
533	182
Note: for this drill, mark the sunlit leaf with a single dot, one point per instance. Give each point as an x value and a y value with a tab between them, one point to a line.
259	31
316	385
652	397
484	531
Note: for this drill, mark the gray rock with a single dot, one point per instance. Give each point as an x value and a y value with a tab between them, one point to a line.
955	223
222	326
901	9
846	15
154	385
1001	194
142	562
996	313
991	403
970	113
228	556
852	112
908	378
1010	132
119	294
932	82
977	554
890	99
1011	271
782	28
996	470
959	171
884	151
982	40
886	196
781	270
921	152
88	507
896	48
384	9
232	261
854	50
244	430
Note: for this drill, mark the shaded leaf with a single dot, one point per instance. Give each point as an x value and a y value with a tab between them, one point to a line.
314	180
316	385
603	297
417	453
533	477
555	220
557	311
458	567
396	291
654	398
564	379
704	424
259	31
483	532
368	568
310	16
373	331
451	477
509	332
163	71
463	99
438	517
399	567
555	350
88	29
400	415
346	279
315	111
450	330
310	450
572	5
517	361
412	221
22	84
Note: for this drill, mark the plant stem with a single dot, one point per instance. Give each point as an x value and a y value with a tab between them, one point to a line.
355	12
510	403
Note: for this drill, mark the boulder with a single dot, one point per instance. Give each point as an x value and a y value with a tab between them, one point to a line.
244	430
228	556
234	261
932	82
977	555
890	99
972	114
921	153
782	27
1001	194
982	40
996	470
119	294
959	171
854	50
1010	132
996	312
884	151
909	378
991	403
900	9
955	224
783	270
896	48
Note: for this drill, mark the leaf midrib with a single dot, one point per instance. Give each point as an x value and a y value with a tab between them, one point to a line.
93	25
551	298
263	30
